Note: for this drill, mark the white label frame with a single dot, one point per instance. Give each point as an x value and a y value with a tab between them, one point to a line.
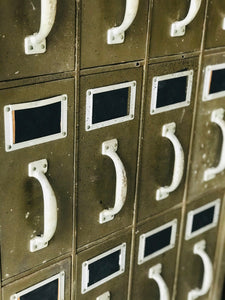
142	239
206	96
89	105
85	272
155	81
8	122
190	216
61	278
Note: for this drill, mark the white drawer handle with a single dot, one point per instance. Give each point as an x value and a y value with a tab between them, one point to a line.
208	272
109	148
154	273
36	43
178	27
116	35
217	117
168	131
37	169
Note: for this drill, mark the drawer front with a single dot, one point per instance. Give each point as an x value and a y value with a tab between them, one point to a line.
171	12
107	183
22	19
37	189
164	156
106	15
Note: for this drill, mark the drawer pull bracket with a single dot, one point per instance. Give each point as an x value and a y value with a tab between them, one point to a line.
199	249
109	148
116	35
37	169
36	43
178	28
154	273
168	131
217	117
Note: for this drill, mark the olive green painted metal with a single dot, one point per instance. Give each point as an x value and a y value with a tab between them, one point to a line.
215	26
208	139
191	268
96	172
157	157
142	286
20	19
104	15
22	209
117	286
39	276
164	14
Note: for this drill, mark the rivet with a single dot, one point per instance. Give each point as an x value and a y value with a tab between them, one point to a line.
9	147
64	133
8	109
31	48
34	169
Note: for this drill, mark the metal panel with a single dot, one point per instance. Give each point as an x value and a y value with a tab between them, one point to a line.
157	157
22	18
97	181
215	26
207	146
191	269
22	210
106	14
116	286
32	285
142	286
170	12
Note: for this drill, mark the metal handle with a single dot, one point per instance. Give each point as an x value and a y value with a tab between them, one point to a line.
37	169
178	27
154	273
116	35
109	148
217	117
36	43
168	131
208	271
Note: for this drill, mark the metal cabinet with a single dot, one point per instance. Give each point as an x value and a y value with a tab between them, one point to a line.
155	257
49	283
179	27
215	25
207	166
196	272
51	19
37	188
103	270
168	113
126	19
108	136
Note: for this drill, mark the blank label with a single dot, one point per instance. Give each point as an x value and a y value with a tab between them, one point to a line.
110	105
171	91
104	267
37	122
32	123
48	291
203	219
217	81
157	241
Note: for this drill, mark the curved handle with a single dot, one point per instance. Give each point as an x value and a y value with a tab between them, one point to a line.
36	43
168	131
116	35
109	148
178	27
154	273
208	271
37	169
217	117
